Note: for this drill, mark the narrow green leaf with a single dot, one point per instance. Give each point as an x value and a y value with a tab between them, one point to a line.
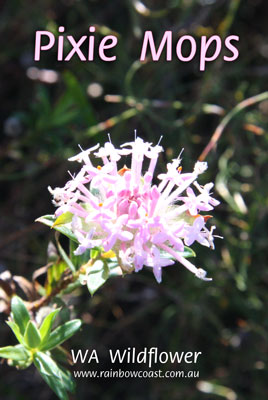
47	324
63	219
61	334
67	232
64	103
63	119
38	364
16	331
94	252
65	257
97	276
79	97
57	270
18	353
49	221
46	219
52	381
47	364
20	313
54	274
32	336
188	252
67	378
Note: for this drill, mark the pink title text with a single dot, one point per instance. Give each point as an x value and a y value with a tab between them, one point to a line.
66	46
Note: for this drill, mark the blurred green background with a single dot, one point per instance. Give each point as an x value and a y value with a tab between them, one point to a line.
49	107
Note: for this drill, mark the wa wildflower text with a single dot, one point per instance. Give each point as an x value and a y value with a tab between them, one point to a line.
185	48
149	356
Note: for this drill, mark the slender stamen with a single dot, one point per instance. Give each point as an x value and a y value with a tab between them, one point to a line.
72	176
159	141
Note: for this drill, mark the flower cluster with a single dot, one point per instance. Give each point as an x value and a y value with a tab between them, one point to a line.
122	210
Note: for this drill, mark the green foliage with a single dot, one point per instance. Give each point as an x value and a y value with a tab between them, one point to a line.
18	352
188	252
64	256
63	219
93	273
32	336
47	323
97	275
50	220
35	344
61	334
58	379
20	313
54	274
16	330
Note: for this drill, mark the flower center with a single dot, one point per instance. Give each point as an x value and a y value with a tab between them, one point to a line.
129	203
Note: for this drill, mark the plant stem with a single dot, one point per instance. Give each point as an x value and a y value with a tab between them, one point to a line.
67	280
64	283
236	110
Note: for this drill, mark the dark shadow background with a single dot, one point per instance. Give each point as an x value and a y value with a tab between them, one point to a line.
45	114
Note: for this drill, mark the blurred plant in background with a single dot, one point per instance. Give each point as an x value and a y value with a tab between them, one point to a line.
49	107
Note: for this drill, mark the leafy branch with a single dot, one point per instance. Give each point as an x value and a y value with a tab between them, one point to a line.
36	346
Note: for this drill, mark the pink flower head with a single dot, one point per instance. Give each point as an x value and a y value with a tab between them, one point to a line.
120	208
